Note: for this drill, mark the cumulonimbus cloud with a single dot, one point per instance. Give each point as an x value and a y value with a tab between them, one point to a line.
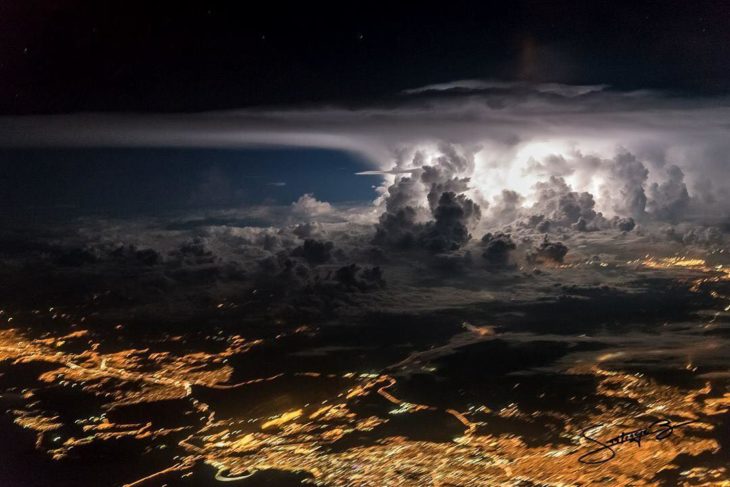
617	146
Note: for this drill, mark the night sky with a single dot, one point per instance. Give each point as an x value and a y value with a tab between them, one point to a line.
66	56
49	182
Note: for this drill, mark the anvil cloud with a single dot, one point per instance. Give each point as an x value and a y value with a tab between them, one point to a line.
519	134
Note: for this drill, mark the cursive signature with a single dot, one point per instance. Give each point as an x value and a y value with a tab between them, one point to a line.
659	429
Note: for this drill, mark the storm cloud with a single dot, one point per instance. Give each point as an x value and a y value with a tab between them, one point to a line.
474	179
627	149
